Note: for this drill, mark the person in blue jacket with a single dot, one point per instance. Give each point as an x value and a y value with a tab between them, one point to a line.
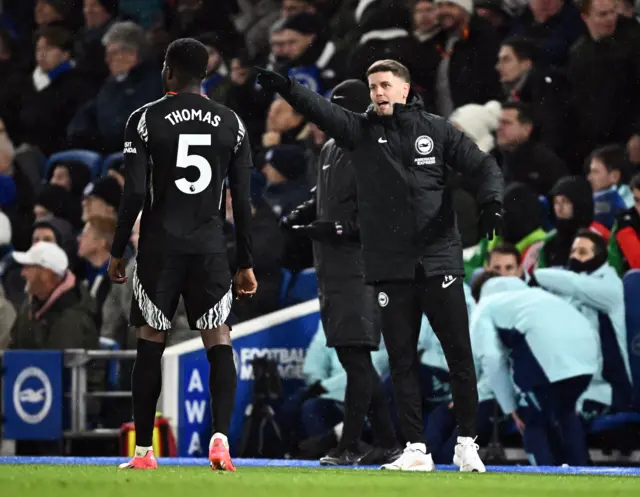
594	288
533	340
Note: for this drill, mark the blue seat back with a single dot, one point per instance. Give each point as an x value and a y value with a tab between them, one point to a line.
112	366
109	160
93	160
298	287
631	281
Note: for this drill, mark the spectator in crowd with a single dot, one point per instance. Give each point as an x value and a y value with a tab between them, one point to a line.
74	177
99	15
94	248
594	288
554	24
277	59
7	318
524	158
384	32
425	20
311	55
541	344
284	169
52	12
624	245
462	59
216	82
607	167
571	202
133	83
604	71
101	198
13	78
505	260
54	200
265	15
58	314
497	13
60	232
543	88
284	125
56	91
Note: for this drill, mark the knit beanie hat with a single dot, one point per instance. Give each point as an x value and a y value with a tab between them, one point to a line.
479	122
463	4
352	95
55	199
106	188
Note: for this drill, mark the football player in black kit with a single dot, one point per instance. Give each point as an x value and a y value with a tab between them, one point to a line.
178	151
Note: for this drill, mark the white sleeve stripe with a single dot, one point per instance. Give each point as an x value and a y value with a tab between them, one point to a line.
142	127
241	133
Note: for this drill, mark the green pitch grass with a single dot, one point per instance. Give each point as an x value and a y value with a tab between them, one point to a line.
100	481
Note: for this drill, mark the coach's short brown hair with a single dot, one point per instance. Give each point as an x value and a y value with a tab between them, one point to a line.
392	66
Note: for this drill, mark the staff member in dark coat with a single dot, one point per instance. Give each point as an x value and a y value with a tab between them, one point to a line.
347	306
411	246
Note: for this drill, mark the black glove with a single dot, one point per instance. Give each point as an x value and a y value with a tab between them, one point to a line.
490	222
272	81
313	391
321	230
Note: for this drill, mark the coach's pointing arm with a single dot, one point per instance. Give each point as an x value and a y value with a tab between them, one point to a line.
338	123
482	174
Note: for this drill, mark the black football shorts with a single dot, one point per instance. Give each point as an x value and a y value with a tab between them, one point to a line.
159	279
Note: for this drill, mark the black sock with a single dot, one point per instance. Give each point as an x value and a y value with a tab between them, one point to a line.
222	387
380	414
356	362
146	383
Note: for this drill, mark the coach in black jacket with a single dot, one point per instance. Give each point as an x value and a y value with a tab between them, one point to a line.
411	245
349	315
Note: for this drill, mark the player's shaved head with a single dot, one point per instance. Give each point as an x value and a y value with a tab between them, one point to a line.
185	64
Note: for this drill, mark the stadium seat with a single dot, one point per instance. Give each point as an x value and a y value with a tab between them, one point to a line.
110	159
112	366
93	160
631	281
298	287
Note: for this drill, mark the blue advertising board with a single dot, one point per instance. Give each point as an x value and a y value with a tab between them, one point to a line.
32	395
286	343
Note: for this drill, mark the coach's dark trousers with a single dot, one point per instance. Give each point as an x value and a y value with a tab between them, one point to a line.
442	299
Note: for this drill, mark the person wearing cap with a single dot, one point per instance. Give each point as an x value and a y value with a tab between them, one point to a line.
411	246
57	314
55	93
461	58
102	198
350	321
313	59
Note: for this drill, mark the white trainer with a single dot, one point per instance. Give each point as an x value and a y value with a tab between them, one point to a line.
414	458
466	456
